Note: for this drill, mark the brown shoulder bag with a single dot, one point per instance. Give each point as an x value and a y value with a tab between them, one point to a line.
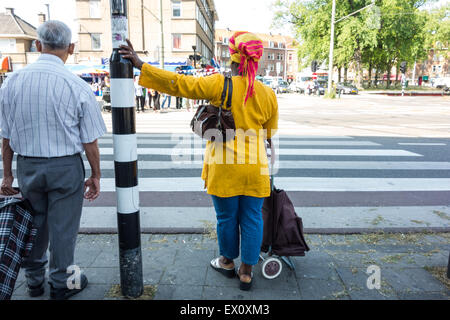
216	123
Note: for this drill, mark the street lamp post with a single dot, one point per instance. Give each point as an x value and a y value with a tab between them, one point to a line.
125	156
195	63
333	22
330	63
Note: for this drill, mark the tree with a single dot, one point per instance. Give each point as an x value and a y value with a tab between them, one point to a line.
379	38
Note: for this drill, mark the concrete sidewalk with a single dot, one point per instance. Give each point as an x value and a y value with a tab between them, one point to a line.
177	267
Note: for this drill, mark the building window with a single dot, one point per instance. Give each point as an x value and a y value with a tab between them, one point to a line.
8	45
225	40
96	42
176	41
290	56
94	9
176	8
271	44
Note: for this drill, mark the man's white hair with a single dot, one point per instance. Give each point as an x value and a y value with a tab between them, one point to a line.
54	34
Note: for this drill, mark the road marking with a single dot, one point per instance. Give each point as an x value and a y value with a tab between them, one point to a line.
421	144
285	164
186	140
299	184
297	152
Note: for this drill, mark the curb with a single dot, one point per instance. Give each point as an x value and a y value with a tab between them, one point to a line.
323	231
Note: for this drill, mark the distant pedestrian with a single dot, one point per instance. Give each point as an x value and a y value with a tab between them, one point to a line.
155	96
140	97
166	98
49	117
179	102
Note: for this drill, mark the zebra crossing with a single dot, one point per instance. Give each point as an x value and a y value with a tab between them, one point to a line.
335	182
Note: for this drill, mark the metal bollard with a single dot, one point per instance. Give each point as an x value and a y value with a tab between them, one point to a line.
125	157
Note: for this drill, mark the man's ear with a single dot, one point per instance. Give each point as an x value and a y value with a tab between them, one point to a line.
38	46
71	48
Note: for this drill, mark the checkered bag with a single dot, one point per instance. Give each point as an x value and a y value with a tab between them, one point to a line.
17	235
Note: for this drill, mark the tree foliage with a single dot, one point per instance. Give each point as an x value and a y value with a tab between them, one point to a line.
379	37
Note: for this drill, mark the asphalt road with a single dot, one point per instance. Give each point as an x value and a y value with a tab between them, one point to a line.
357	162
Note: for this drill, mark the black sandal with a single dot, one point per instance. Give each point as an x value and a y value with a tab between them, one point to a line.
229	273
245	286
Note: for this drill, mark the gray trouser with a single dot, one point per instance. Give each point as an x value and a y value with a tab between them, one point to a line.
55	189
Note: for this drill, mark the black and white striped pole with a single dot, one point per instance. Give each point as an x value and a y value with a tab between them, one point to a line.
125	157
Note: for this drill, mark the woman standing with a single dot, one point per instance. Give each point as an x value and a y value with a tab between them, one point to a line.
236	172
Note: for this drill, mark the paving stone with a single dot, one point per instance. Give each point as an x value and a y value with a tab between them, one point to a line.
106	275
93	292
410	280
424	296
20	293
161	257
86	257
106	259
312	271
264	294
216	279
334	268
355	281
285	281
429	259
152	272
194	258
178	292
226	293
315	289
184	276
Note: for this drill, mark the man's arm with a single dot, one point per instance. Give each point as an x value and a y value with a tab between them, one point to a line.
7	156
93	183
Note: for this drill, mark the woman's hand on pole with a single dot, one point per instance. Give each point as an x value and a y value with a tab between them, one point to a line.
129	53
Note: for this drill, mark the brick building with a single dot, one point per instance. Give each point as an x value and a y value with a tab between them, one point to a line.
186	23
279	59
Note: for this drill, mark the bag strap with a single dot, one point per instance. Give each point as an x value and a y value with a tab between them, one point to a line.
230	93
224	92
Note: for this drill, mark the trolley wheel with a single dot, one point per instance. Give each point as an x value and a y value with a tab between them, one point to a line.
271	268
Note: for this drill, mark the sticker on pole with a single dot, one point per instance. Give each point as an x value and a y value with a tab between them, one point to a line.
119	27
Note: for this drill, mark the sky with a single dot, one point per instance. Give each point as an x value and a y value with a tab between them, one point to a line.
28	10
247	15
233	14
244	15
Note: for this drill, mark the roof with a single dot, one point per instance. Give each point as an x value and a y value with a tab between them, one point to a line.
11	24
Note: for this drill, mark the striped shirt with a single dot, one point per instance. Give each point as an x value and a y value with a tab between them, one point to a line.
46	111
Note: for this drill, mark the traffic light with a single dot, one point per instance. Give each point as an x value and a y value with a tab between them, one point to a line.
403	67
314	66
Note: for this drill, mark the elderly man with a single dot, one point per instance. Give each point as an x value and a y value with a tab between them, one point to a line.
49	117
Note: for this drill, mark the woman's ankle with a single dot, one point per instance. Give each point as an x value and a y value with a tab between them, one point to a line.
226	261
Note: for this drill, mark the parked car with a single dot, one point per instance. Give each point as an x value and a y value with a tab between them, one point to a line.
442	83
346	88
282	87
301	84
319	85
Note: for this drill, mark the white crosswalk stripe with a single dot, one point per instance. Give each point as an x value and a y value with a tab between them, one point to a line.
311	159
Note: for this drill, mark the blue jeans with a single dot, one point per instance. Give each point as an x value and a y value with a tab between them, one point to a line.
164	102
239	217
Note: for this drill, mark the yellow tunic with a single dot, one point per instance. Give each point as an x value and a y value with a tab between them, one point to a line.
236	167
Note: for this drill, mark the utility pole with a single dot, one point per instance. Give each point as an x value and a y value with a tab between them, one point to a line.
142	26
161	21
48	11
333	22
330	63
162	33
125	156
